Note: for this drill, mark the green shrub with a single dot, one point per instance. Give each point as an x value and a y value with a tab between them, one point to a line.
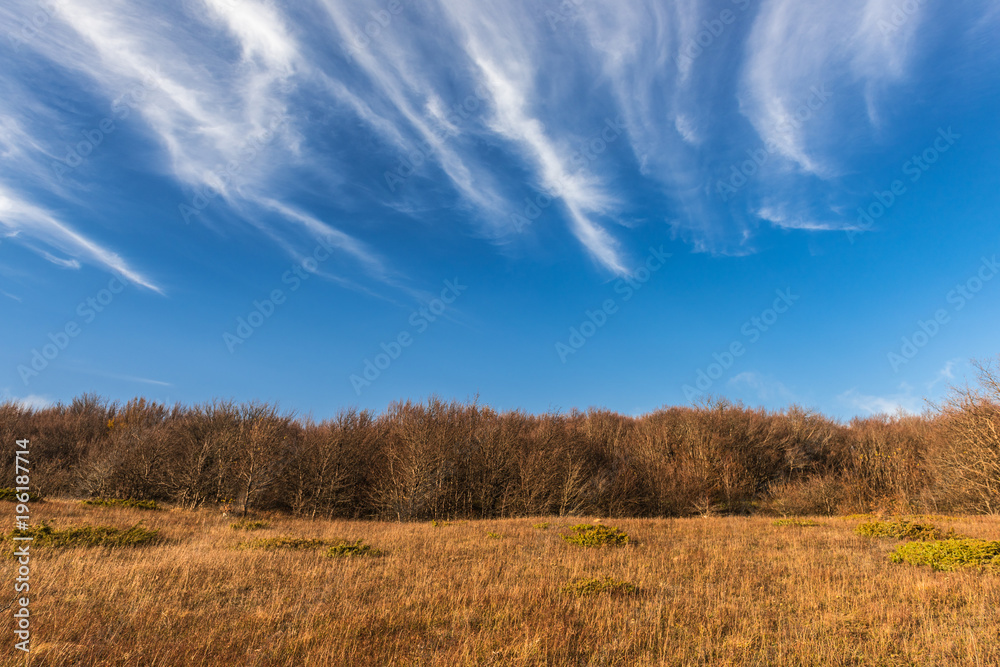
606	584
244	524
587	535
542	526
270	543
132	503
8	493
951	554
494	536
87	536
903	529
359	548
440	524
796	522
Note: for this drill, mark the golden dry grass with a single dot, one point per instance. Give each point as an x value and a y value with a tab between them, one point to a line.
710	591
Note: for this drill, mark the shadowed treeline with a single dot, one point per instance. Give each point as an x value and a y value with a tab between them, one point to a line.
446	460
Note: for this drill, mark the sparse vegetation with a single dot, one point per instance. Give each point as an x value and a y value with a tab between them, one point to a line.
588	535
951	554
606	584
245	524
11	494
719	590
130	503
542	526
358	548
44	535
298	543
903	529
795	522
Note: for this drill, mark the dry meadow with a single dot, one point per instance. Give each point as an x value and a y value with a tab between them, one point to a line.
707	591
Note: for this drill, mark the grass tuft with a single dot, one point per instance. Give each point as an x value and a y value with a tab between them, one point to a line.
350	549
587	535
902	529
606	584
8	493
951	554
87	536
796	522
131	503
271	543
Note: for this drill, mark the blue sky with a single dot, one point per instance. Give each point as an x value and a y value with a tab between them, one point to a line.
549	205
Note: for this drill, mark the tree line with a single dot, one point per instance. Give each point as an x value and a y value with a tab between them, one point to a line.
442	460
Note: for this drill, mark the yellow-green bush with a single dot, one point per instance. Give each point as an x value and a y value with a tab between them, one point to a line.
796	522
605	584
7	493
950	554
346	548
270	543
87	536
587	535
903	529
130	503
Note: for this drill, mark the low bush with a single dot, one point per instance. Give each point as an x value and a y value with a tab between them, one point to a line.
796	522
359	548
87	536
7	493
130	503
542	526
270	543
903	529
587	535
244	524
606	584
950	554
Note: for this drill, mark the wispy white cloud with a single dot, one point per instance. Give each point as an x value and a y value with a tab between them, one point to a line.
766	389
19	215
946	374
31	401
202	77
901	402
795	46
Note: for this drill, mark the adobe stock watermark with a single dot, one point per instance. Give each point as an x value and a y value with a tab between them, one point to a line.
752	330
264	309
416	158
87	310
914	168
741	173
901	13
590	150
32	25
22	544
567	12
419	321
94	137
362	38
594	320
957	298
711	30
219	178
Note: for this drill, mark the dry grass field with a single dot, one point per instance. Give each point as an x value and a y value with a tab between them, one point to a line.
708	591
